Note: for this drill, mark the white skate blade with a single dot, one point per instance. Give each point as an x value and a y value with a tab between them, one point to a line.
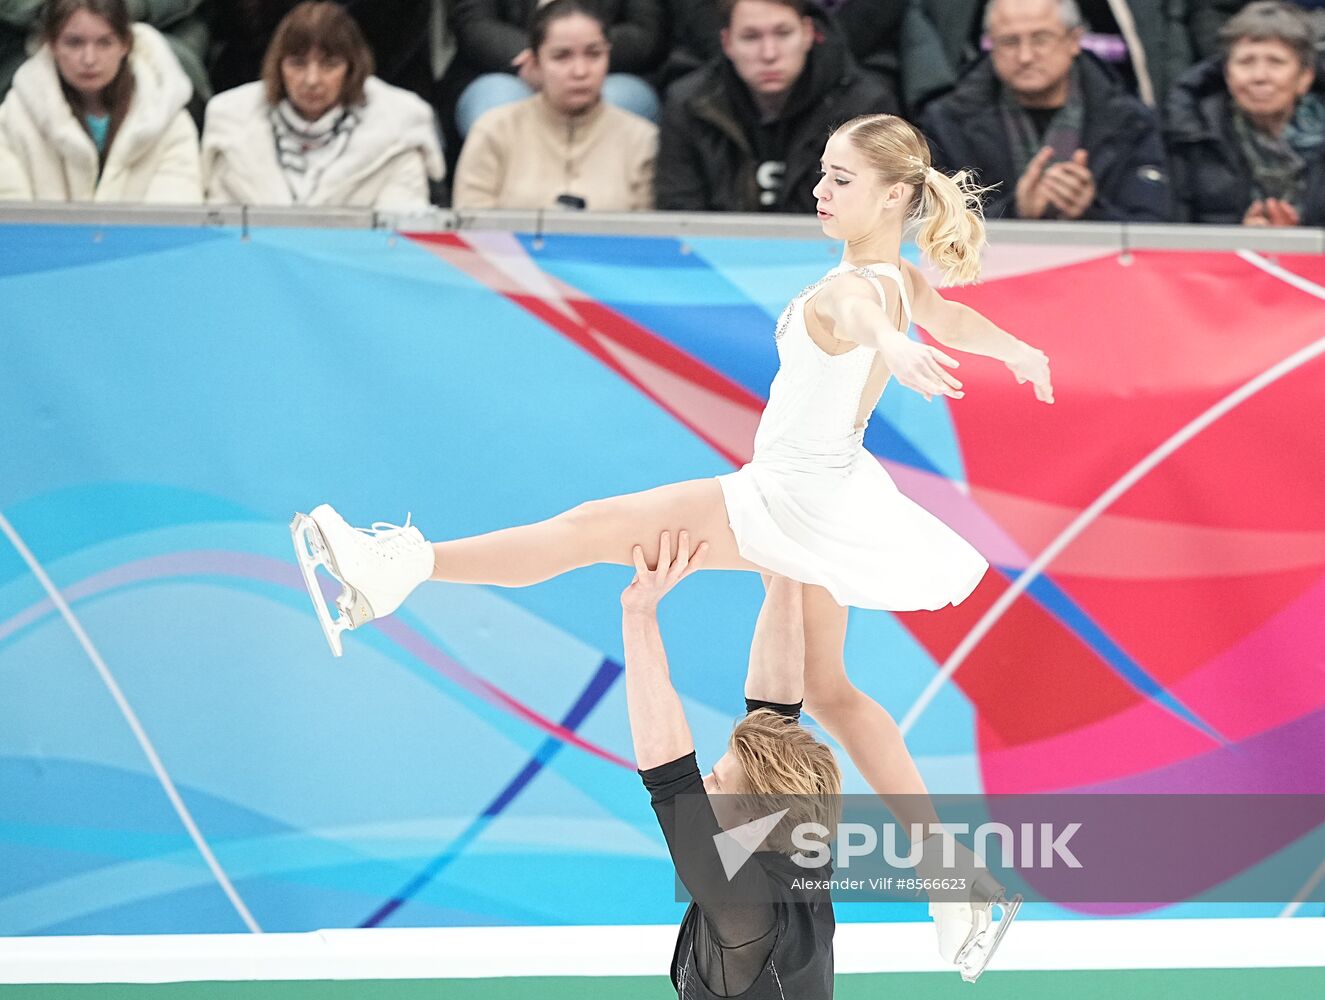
310	548
974	958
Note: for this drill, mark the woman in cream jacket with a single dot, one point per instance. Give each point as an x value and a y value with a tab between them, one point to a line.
318	128
98	114
564	147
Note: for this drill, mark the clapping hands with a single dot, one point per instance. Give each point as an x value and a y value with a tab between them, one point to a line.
1068	186
1271	212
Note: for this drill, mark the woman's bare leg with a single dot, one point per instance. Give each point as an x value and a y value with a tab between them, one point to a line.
861	725
600	531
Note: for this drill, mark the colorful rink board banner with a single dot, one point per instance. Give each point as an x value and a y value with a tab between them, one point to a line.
179	752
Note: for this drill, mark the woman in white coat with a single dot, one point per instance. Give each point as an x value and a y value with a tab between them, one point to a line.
98	114
319	128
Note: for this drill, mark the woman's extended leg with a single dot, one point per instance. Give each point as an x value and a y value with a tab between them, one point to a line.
860	724
600	531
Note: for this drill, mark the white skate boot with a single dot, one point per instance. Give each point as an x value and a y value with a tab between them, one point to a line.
968	933
378	566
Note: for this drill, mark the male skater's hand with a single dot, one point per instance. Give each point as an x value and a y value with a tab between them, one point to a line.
649	585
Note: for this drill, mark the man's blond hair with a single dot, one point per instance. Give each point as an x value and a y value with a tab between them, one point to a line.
785	767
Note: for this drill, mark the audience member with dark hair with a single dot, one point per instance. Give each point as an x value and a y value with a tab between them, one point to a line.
1206	19
1050	124
1246	129
182	23
694	30
744	132
563	146
319	128
873	30
98	113
495	65
397	32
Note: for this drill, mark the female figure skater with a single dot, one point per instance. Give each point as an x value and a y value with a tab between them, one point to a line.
812	505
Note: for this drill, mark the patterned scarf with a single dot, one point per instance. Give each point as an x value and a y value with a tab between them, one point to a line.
1279	164
305	149
1063	133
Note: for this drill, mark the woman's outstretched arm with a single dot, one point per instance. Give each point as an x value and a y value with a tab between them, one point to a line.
960	327
849	307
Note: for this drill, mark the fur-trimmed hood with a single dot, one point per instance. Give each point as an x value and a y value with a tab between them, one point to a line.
161	91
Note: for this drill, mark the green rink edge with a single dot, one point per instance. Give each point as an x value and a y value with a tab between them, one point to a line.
1079	984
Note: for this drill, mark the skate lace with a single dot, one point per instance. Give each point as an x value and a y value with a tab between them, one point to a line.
391	534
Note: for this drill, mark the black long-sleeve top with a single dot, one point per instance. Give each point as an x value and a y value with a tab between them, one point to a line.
755	935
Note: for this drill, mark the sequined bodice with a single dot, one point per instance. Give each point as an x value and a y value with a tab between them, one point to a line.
810	423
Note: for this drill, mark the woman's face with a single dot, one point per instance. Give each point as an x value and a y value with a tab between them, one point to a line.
314	82
850	198
88	53
573	63
1266	78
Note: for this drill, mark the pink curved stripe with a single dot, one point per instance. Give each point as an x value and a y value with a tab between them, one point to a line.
1275	674
961	511
205	562
1266	681
1141	737
1133	548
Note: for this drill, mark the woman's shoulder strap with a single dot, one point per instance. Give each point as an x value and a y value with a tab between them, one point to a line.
872	272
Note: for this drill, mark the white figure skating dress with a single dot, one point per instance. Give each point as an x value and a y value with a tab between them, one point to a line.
813	505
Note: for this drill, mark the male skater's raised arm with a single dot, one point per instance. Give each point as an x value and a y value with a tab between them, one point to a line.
749	931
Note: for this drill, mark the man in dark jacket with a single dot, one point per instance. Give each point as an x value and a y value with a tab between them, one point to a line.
1050	125
744	133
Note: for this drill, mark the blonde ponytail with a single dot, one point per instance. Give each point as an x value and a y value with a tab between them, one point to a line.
952	225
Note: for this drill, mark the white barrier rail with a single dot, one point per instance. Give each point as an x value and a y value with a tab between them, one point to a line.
477	952
1119	236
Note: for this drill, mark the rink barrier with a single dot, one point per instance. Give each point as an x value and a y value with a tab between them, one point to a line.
1119	236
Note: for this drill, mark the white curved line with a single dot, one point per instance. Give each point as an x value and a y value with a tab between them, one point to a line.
1142	468
131	717
1302	894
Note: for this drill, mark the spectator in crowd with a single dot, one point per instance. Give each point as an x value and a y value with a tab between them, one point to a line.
695	33
98	113
1049	125
564	145
1146	42
319	128
1206	18
744	132
495	65
182	22
1246	130
397	33
873	32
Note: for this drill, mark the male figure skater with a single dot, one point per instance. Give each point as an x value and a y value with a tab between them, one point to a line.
748	933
